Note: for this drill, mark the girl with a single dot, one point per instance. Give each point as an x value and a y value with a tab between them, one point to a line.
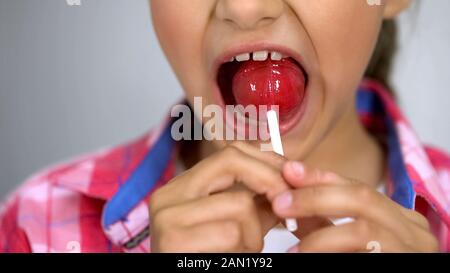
356	178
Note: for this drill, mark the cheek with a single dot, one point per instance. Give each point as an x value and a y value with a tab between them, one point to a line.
180	26
343	33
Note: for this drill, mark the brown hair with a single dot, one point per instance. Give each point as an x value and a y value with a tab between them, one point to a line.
381	63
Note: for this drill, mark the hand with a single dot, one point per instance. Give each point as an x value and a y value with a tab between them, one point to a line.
197	212
377	218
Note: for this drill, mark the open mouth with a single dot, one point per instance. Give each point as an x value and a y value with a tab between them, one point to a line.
264	78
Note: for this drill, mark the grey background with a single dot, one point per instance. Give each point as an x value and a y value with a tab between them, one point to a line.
75	79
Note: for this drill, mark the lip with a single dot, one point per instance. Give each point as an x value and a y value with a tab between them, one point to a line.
253	47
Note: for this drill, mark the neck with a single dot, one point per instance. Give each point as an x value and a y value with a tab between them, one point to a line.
350	151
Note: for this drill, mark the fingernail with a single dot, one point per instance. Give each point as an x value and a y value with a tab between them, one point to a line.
283	201
298	168
293	249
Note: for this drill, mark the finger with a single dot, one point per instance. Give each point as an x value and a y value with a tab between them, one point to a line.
414	216
298	175
338	202
310	224
235	206
218	173
236	166
271	158
268	219
217	236
358	236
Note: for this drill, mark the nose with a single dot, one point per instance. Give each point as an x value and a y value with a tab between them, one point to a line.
249	14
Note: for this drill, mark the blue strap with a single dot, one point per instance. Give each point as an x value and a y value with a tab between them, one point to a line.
141	181
403	193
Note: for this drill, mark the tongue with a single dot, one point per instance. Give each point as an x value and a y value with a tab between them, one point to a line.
270	83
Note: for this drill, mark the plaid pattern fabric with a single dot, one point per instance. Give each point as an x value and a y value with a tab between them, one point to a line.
98	203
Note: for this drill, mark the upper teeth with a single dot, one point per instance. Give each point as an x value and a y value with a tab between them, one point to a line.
243	57
258	56
276	56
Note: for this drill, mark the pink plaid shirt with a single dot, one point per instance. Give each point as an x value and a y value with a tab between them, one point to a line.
98	203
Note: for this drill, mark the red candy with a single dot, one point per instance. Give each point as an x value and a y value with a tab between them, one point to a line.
270	83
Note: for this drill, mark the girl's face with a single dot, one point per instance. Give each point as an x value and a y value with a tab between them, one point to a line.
328	44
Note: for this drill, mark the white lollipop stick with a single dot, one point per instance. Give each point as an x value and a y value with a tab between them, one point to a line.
277	146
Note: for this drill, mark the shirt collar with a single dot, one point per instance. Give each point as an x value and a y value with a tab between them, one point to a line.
411	170
376	113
